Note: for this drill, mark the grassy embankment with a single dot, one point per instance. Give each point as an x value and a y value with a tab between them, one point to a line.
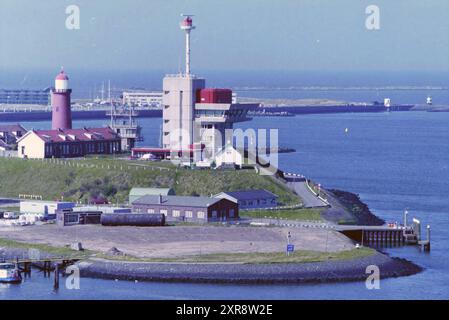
106	177
290	214
300	256
81	180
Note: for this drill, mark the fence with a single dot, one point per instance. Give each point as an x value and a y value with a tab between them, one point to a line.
78	163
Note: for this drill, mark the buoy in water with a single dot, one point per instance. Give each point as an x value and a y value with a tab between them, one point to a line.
346	130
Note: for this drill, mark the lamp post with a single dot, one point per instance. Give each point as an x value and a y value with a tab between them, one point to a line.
289	236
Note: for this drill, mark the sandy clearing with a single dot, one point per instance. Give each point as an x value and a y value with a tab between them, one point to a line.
180	240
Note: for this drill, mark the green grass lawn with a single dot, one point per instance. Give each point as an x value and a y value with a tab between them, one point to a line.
112	178
300	256
291	214
57	251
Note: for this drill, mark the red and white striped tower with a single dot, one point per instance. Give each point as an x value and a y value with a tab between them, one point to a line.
61	117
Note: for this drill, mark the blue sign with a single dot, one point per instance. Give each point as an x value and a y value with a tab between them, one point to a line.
290	247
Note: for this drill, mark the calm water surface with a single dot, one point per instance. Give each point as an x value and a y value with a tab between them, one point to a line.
393	160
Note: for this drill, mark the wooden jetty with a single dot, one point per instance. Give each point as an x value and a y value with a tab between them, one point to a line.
47	265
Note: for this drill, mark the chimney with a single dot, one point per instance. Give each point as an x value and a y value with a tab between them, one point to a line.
160	198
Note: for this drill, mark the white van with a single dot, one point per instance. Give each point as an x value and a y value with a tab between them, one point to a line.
11	215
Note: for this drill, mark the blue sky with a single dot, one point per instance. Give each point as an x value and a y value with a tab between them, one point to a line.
297	35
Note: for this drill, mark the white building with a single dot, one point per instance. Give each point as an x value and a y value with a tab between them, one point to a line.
229	156
143	98
195	116
179	110
44	207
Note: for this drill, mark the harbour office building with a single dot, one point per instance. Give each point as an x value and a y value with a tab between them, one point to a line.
187	208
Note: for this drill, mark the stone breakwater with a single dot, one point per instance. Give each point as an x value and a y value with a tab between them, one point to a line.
274	273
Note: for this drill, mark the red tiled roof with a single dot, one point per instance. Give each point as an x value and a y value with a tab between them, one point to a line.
85	134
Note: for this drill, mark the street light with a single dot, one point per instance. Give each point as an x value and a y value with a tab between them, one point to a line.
289	236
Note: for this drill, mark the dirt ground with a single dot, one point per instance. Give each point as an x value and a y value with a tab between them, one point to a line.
178	241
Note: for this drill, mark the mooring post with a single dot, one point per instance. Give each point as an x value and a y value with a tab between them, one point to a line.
405	218
47	267
27	268
427	248
56	280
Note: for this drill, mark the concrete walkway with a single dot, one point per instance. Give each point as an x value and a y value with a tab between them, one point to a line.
300	187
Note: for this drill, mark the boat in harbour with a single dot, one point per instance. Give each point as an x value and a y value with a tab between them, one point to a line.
9	272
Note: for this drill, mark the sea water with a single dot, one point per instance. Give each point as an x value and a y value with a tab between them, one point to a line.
393	160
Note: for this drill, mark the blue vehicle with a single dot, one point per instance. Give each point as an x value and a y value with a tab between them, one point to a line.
9	272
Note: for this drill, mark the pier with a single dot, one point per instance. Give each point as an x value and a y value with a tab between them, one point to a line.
47	265
389	235
376	235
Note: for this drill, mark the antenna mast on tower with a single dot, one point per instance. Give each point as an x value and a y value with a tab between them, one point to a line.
187	26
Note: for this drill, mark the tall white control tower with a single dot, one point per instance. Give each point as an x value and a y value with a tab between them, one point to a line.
195	116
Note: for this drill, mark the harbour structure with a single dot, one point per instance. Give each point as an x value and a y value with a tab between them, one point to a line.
123	122
152	99
194	116
149	99
391	234
25	97
60	103
188	208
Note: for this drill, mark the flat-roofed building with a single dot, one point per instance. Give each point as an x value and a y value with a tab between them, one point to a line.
44	207
25	97
151	99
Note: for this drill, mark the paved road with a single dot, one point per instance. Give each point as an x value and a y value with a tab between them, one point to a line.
310	200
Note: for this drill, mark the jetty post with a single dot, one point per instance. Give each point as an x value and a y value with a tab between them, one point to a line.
417	228
56	278
426	244
405	218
